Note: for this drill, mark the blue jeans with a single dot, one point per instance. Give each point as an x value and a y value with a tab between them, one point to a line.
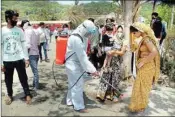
33	59
44	45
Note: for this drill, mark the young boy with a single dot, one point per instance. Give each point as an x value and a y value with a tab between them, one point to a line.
14	55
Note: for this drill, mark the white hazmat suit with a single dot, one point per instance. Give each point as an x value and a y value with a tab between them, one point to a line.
78	63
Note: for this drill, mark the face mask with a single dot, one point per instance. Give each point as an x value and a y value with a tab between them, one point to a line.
91	31
26	25
120	34
13	23
109	35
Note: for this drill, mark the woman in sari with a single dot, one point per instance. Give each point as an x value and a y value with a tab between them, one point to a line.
109	84
147	65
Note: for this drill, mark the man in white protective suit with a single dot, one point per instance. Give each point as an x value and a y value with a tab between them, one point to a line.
77	63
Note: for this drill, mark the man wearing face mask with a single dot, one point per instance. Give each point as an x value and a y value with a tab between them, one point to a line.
156	25
154	17
32	44
77	63
14	55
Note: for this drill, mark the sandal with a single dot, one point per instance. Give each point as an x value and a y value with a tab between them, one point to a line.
110	69
28	100
108	97
8	100
100	100
115	99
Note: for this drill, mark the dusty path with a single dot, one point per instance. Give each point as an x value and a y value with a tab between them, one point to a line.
50	99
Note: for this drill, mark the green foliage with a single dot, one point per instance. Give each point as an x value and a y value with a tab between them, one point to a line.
164	11
146	11
167	61
76	15
35	10
99	8
168	68
46	10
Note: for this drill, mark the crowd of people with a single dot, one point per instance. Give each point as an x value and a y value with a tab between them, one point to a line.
106	45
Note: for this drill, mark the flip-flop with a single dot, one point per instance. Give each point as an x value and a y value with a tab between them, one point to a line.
8	100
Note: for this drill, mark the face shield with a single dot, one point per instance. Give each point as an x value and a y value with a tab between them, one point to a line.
86	30
90	29
90	33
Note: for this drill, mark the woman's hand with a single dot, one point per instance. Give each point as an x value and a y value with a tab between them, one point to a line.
110	53
140	64
95	74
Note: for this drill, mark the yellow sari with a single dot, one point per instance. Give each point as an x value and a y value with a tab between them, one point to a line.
148	73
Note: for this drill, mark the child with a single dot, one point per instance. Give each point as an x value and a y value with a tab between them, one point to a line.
117	45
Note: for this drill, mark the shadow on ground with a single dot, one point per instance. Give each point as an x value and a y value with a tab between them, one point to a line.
63	109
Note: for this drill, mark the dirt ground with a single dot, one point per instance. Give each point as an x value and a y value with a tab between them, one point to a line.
50	99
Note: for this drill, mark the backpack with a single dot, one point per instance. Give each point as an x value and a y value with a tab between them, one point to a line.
74	52
163	31
62	45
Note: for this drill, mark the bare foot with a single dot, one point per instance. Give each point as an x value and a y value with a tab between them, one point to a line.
83	111
8	100
141	112
28	100
121	97
115	100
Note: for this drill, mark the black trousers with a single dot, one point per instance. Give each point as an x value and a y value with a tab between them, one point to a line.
21	70
93	58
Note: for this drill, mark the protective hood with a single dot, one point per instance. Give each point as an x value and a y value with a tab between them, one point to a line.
85	29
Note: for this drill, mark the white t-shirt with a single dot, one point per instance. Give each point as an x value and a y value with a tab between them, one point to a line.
47	33
14	46
32	41
42	34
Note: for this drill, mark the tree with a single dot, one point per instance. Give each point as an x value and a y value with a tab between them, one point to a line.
130	10
76	2
172	18
168	3
76	15
154	5
35	10
130	13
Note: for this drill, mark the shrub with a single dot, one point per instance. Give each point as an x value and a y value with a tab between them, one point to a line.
168	57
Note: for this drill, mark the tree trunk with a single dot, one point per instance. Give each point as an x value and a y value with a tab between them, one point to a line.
128	4
154	5
135	11
130	13
76	2
172	18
